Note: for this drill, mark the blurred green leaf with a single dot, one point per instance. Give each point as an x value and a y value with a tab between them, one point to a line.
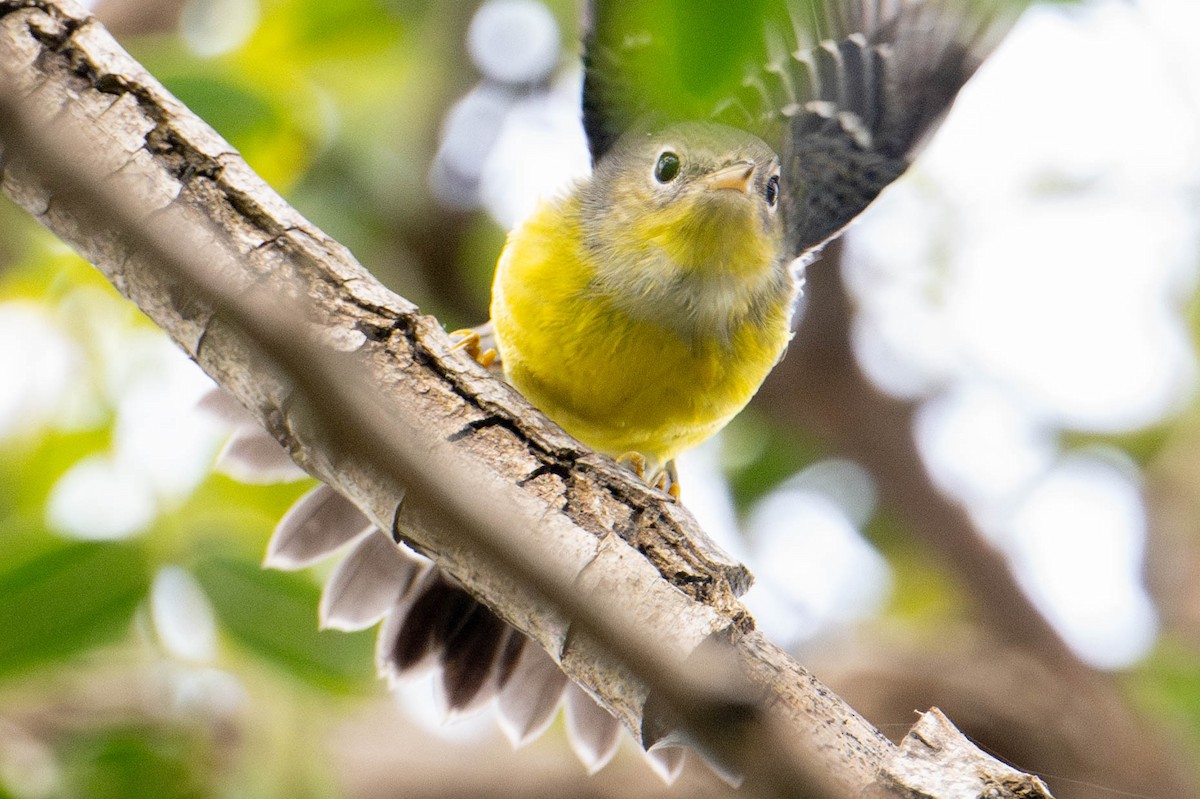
137	763
65	598
343	29
274	616
715	38
482	244
236	111
236	517
28	470
923	591
757	456
1167	684
675	58
1142	445
46	270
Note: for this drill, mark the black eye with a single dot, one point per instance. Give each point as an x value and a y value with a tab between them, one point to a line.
667	168
772	191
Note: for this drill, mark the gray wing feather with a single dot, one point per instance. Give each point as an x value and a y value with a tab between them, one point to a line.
367	583
531	695
317	525
592	731
879	85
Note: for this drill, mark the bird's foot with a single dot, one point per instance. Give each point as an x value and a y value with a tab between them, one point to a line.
634	462
469	341
667	480
664	479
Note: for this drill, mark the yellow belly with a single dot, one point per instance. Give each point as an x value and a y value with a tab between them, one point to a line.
616	383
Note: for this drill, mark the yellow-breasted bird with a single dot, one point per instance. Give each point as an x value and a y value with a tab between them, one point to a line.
642	309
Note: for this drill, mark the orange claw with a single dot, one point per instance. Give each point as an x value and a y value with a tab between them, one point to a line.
670	480
665	479
635	462
469	344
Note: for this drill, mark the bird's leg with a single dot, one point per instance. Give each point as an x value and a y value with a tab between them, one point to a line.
667	479
634	462
664	479
469	342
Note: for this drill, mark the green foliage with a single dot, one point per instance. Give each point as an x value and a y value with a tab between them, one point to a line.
757	456
138	763
1141	444
706	42
273	615
240	113
923	593
29	469
1167	685
226	515
678	58
62	598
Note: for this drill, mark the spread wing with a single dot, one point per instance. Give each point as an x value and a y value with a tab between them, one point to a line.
856	105
846	90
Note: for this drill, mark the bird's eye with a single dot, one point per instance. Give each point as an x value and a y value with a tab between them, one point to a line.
772	191
667	168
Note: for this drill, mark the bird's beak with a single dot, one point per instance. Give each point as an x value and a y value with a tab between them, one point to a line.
736	176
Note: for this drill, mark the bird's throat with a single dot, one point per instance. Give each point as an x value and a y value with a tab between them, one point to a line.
702	282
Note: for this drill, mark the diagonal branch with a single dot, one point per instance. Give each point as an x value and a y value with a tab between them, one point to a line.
611	577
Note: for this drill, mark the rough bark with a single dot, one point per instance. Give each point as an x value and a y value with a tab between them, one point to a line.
611	577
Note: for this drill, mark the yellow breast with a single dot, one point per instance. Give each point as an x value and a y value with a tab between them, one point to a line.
616	380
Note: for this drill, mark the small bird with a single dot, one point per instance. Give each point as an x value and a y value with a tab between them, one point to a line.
642	309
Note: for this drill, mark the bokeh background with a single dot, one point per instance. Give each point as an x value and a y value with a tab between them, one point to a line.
974	481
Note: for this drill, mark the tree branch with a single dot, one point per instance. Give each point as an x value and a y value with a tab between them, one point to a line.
611	577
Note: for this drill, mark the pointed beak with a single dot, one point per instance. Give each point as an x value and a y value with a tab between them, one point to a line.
736	176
